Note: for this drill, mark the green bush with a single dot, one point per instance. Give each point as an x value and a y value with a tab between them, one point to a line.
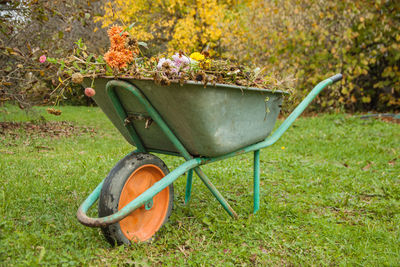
314	39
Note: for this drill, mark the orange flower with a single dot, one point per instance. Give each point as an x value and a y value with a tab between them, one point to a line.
118	56
117	40
114	30
118	59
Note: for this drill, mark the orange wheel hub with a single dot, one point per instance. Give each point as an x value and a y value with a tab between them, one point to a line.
143	223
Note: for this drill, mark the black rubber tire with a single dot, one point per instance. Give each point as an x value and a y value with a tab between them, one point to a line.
112	188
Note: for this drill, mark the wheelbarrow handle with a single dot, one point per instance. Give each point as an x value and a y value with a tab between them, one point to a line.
302	106
336	78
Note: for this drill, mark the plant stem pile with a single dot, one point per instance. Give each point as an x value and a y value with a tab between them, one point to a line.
126	60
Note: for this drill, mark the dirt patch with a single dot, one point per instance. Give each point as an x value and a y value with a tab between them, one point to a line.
386	117
390	119
52	129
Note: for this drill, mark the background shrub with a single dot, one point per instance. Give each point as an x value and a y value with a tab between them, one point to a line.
310	39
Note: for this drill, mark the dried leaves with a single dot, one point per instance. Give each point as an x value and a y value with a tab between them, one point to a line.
46	129
54	111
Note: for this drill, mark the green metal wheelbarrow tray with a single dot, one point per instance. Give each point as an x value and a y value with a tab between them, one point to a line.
201	124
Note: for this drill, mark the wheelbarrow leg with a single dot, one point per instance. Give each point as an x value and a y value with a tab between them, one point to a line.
256	204
188	186
215	192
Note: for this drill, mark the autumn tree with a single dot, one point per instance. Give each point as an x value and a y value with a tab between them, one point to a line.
174	24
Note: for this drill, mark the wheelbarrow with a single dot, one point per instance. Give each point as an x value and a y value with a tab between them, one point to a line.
201	124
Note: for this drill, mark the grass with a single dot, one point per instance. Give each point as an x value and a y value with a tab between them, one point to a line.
330	197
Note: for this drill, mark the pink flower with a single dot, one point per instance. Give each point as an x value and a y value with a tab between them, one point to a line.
180	60
166	65
42	59
90	92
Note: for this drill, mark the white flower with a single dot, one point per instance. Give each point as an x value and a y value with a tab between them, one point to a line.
180	60
163	61
167	65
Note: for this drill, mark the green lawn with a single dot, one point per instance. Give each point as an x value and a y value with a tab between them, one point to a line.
330	197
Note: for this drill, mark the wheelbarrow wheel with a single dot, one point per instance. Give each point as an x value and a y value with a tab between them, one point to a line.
133	175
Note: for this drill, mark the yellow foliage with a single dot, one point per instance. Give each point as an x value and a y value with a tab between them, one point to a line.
181	24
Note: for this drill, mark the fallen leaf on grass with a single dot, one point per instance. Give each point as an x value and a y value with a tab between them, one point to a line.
392	162
390	119
253	258
227	251
54	111
367	167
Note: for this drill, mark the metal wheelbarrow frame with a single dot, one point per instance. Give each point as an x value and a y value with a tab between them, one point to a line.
192	163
